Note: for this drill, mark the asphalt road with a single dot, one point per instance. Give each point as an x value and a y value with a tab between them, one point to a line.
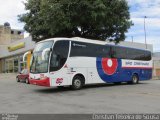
22	98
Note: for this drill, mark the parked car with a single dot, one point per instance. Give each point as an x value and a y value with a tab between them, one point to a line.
23	76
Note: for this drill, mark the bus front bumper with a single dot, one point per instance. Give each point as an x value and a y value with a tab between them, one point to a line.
42	82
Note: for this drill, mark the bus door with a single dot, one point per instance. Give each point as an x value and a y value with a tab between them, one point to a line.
58	63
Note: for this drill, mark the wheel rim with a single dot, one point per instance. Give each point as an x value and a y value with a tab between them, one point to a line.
17	79
135	79
77	83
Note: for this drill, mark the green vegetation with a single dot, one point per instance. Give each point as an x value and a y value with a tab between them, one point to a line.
93	19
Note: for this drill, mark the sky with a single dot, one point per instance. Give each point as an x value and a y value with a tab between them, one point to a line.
9	9
150	9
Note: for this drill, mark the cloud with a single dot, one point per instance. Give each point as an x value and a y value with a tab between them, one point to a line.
139	9
152	26
9	11
154	22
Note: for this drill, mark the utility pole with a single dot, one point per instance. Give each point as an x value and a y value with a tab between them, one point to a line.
145	31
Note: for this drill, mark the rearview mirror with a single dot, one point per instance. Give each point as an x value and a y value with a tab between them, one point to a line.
25	54
44	52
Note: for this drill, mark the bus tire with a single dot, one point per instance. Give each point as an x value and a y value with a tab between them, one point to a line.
77	83
117	83
135	79
60	87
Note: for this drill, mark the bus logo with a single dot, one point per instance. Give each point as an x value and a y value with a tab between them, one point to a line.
109	66
107	69
59	81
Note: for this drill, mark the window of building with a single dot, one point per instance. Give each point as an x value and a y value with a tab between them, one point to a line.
19	32
16	64
12	32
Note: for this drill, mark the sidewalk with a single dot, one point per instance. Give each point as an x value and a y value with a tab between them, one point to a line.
156	78
7	75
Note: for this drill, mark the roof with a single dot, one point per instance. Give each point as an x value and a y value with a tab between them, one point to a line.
77	39
131	45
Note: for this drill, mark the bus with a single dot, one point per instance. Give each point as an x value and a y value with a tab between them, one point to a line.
76	62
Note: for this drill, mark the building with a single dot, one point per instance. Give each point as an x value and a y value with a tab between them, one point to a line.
12	47
156	65
8	35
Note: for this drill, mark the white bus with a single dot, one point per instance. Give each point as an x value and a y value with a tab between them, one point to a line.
76	62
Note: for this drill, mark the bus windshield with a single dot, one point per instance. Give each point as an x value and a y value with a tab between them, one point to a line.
38	65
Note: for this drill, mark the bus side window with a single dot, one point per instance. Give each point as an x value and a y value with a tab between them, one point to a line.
59	55
118	52
134	54
89	50
103	51
148	56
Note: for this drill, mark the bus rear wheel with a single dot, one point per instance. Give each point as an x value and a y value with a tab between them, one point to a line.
134	80
117	83
77	83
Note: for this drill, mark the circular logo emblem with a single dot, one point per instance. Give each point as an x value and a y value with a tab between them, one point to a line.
109	65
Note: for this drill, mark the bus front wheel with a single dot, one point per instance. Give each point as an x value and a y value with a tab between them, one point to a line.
77	83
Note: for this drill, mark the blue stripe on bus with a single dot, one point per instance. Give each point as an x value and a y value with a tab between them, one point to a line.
122	74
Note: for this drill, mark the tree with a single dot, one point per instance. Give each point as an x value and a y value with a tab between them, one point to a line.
93	19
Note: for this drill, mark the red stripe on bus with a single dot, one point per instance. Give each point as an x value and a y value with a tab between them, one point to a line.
137	67
43	82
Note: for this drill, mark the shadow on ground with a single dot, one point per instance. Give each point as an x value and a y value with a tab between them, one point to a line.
68	89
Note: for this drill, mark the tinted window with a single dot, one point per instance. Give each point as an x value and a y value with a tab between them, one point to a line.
130	53
118	52
43	45
89	50
135	54
148	55
102	51
59	55
94	50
